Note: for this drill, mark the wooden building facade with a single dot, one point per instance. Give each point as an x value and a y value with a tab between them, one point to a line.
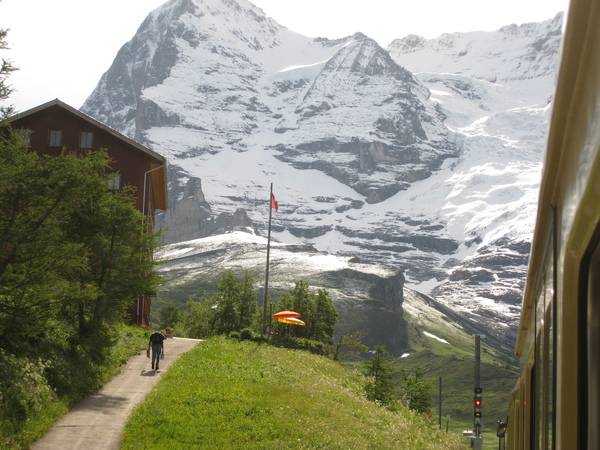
55	126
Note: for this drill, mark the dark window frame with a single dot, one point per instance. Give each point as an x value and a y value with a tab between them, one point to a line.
55	138
114	181
86	139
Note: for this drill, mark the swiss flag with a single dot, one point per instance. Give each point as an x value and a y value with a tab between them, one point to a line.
274	203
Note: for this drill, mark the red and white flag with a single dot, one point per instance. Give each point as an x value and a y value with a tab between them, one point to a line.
274	203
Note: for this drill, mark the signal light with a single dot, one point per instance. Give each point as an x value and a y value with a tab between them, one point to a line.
477	405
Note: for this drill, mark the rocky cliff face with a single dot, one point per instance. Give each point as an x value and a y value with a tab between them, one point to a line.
190	215
424	156
394	138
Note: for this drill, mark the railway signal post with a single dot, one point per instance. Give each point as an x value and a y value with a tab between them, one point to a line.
477	438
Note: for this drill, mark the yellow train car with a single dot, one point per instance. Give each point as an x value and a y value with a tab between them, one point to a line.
556	402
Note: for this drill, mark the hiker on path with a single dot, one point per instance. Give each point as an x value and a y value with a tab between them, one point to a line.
158	348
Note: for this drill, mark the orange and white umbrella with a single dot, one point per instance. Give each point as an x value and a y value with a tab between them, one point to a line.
286	315
291	321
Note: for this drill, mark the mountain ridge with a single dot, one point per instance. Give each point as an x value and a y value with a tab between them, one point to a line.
380	154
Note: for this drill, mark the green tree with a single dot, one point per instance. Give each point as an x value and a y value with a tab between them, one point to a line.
71	252
380	385
316	310
247	301
225	316
348	344
6	68
229	309
416	392
118	248
37	258
324	317
196	320
235	303
298	299
169	316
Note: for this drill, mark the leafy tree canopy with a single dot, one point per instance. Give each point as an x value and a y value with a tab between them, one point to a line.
415	391
380	385
6	68
229	309
73	255
169	316
316	309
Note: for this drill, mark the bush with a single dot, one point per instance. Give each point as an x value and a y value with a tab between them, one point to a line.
235	335
38	385
23	387
379	387
316	347
246	334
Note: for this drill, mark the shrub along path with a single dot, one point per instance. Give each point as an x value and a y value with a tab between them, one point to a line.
98	421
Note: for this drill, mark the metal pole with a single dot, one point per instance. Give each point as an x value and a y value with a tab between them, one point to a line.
440	405
477	440
477	378
477	361
265	299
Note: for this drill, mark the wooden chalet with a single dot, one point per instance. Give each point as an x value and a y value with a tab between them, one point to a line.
55	126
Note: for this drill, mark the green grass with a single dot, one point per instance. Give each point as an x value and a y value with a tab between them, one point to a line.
454	362
229	394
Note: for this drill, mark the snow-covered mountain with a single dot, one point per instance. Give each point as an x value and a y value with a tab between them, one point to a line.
425	156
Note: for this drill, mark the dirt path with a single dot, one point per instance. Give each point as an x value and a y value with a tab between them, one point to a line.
98	421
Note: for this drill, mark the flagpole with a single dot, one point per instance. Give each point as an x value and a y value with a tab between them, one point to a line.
265	300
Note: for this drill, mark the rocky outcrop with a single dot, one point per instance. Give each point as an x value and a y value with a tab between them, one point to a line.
367	298
398	140
191	217
387	290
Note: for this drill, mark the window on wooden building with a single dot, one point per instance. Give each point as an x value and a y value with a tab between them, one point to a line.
55	138
26	135
114	181
85	139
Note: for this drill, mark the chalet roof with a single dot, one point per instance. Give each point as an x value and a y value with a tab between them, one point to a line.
84	116
159	177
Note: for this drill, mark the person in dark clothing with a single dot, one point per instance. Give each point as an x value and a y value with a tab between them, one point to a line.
158	347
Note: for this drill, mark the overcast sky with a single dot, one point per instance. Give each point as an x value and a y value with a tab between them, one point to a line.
62	47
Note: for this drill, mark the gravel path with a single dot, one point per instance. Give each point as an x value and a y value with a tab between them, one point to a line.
98	421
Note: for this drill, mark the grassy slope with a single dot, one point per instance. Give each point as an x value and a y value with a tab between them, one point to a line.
454	361
226	394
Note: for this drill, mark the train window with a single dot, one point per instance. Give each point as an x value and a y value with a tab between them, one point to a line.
543	385
540	372
593	343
